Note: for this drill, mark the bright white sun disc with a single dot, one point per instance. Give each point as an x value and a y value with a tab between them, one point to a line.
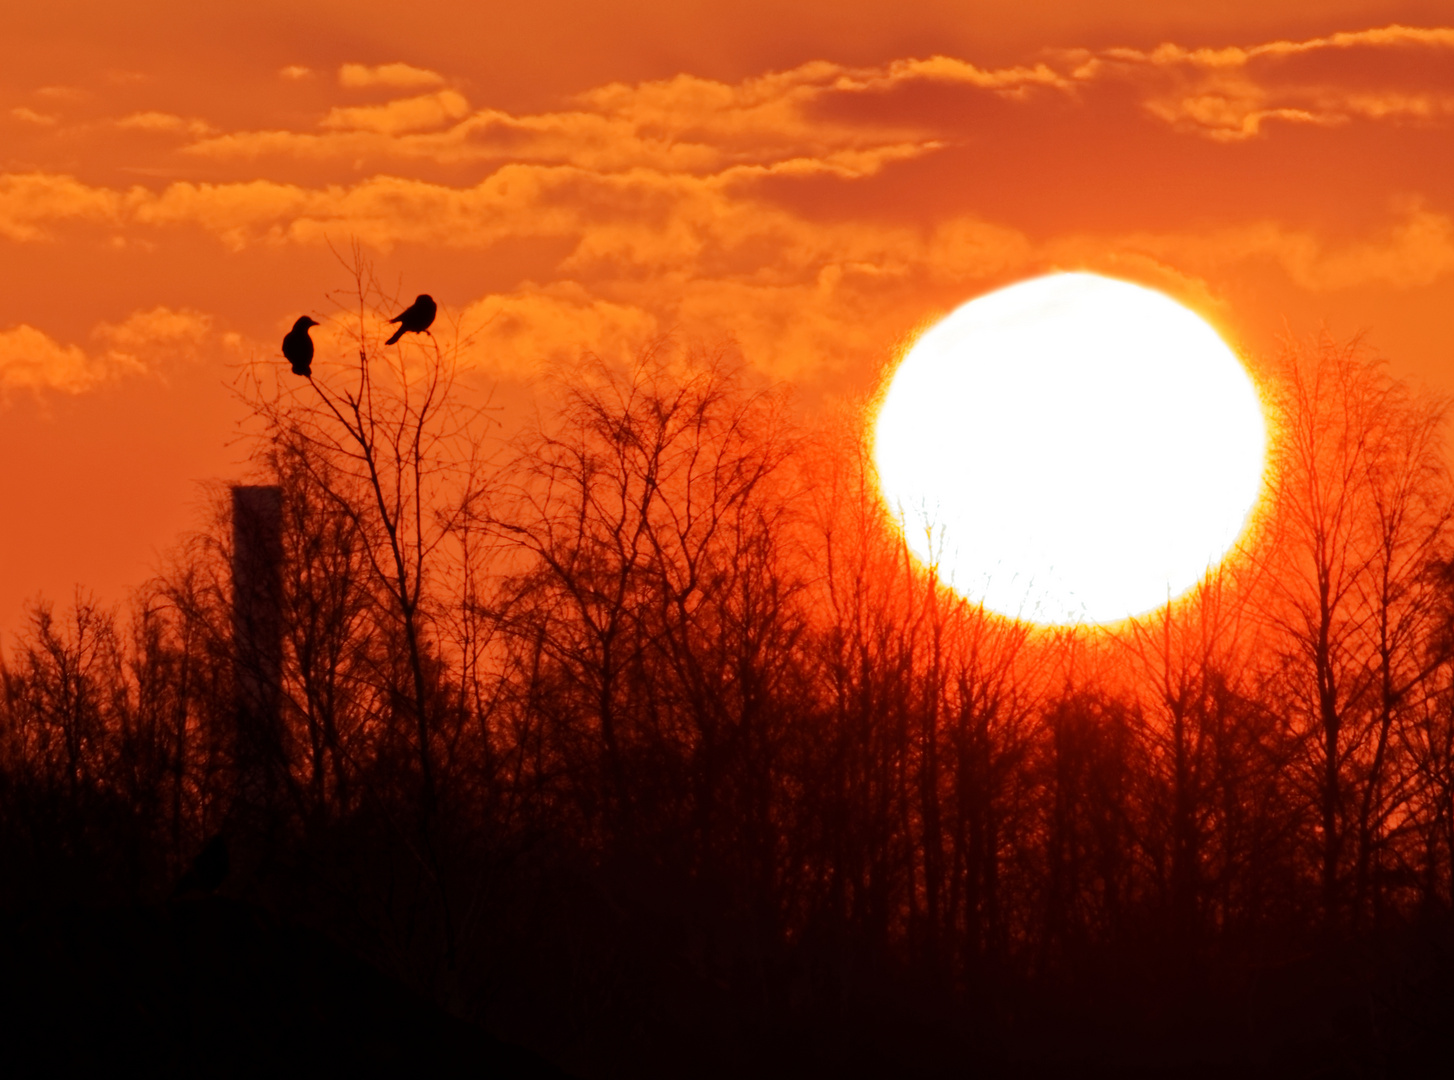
1071	449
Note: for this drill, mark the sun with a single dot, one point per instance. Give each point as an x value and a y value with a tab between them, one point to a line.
1071	449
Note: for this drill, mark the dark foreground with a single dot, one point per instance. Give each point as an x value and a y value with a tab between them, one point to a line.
221	987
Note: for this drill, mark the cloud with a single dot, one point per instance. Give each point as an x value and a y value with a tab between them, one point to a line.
31	201
651	198
146	341
63	93
650	225
381	212
396	76
821	118
682	124
164	123
652	234
295	72
397	117
1415	249
817	299
694	124
1231	94
29	360
517	334
30	116
825	299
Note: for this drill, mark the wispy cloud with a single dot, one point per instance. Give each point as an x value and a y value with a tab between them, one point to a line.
685	123
690	123
517	333
1231	94
423	113
397	76
30	116
165	124
1414	249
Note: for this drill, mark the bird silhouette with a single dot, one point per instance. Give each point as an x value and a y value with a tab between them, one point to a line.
298	347
209	868
414	319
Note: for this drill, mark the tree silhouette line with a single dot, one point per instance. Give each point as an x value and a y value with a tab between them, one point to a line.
643	732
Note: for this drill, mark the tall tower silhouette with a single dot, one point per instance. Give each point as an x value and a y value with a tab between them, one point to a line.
257	636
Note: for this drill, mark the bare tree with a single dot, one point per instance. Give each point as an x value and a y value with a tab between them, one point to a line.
400	456
1361	514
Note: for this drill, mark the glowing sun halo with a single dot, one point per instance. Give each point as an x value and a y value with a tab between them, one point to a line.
1071	449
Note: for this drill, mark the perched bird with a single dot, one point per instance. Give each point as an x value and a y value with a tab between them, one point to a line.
209	868
298	347
414	319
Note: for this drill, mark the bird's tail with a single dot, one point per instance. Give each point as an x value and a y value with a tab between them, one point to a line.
397	335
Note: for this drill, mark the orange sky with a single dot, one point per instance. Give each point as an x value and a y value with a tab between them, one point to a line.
815	178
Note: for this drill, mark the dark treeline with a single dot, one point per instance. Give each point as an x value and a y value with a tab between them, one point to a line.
643	740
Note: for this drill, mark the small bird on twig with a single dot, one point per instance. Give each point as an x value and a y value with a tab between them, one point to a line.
414	319
298	347
208	869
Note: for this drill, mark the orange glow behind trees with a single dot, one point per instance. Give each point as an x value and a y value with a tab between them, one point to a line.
672	623
673	644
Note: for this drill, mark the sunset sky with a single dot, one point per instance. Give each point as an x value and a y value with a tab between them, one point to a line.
815	179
